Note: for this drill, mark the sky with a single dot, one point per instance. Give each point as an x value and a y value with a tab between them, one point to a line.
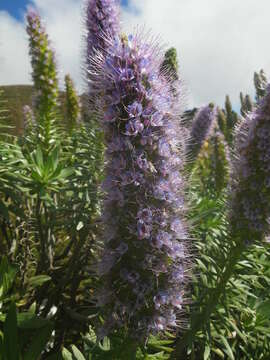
220	43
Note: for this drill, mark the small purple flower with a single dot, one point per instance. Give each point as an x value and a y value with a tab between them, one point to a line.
144	230
177	250
177	274
177	301
110	115
134	127
162	298
142	162
177	227
160	323
145	215
135	110
164	148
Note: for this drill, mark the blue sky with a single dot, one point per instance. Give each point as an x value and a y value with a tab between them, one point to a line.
16	8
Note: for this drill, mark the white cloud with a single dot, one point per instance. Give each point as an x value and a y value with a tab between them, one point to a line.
64	23
220	42
14	62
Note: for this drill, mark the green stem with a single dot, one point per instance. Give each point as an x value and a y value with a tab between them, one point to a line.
201	319
40	237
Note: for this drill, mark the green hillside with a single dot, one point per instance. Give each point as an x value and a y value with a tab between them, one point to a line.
16	97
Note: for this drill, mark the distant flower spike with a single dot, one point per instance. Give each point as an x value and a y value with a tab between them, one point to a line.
201	128
43	64
28	117
213	165
251	174
146	255
72	103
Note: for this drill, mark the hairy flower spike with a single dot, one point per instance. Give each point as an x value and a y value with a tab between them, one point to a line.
102	21
201	128
251	186
146	248
43	64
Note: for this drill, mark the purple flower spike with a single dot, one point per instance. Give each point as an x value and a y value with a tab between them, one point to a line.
250	192
102	21
144	203
201	128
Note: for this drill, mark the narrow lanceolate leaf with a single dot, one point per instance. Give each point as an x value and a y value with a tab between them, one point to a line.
39	343
146	244
10	343
66	354
77	354
7	276
38	280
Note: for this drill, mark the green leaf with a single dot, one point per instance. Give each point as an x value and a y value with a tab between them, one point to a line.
7	276
228	348
38	280
10	344
207	352
78	355
29	320
66	354
264	309
39	157
4	210
40	341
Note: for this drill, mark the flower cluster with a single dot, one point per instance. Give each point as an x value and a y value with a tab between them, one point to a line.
146	249
43	64
250	203
202	126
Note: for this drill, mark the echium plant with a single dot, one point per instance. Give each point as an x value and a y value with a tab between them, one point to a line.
43	64
146	248
249	204
202	126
